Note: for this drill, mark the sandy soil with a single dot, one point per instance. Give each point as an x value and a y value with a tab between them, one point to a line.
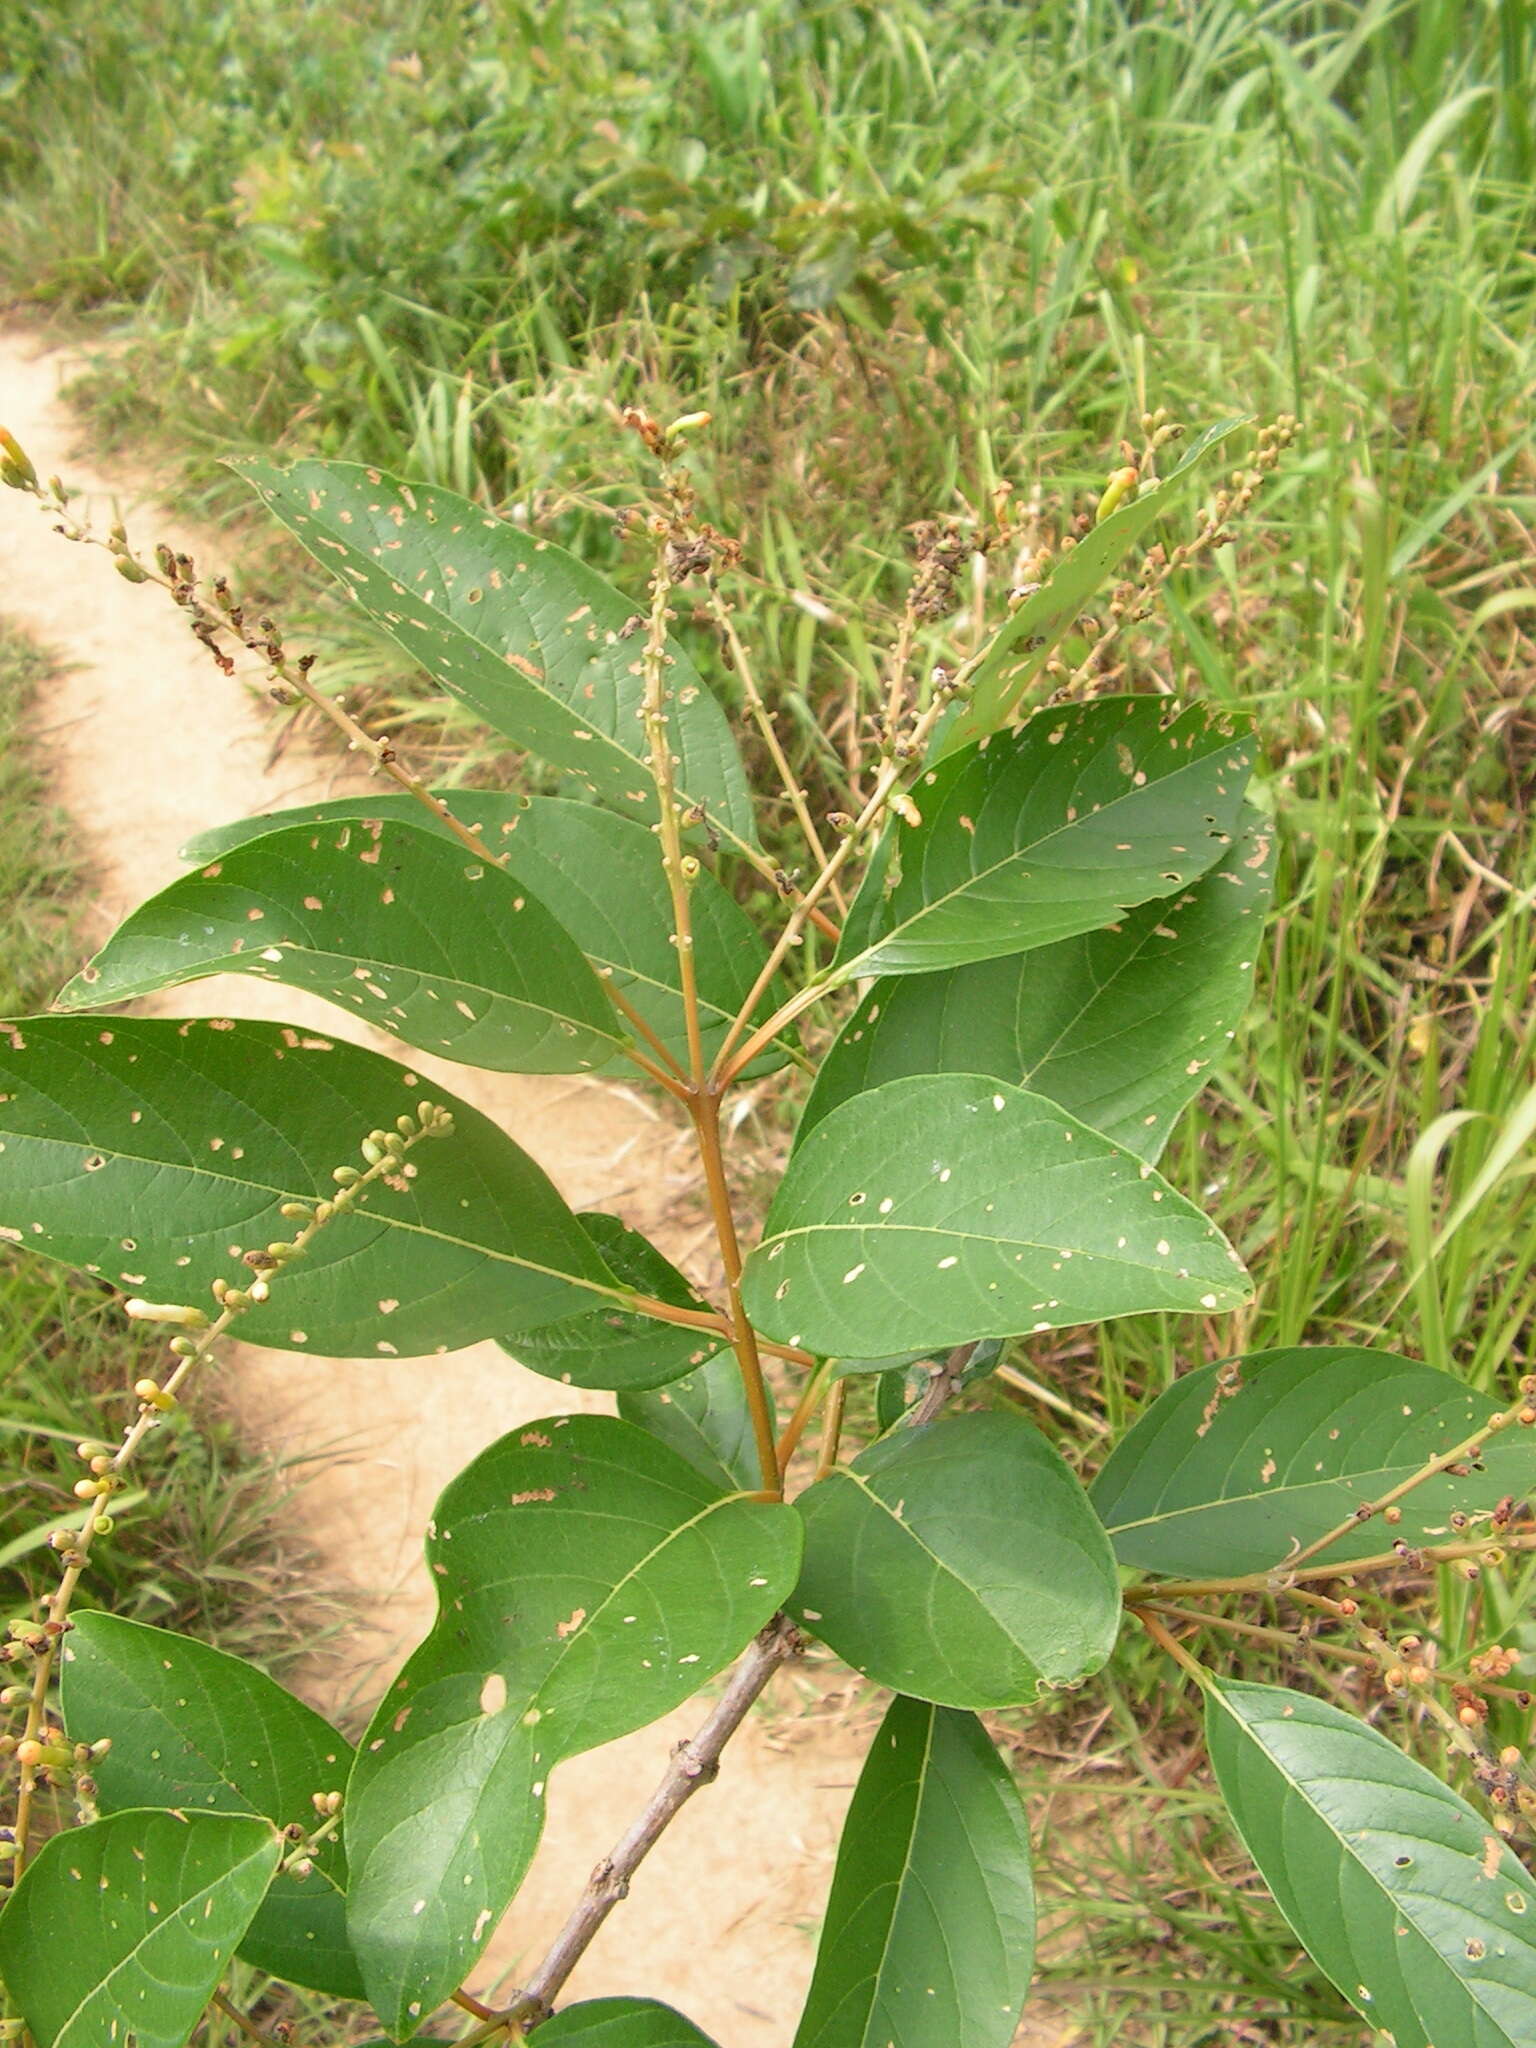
151	744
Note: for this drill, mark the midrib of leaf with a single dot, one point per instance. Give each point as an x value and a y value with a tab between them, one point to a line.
878	1980
1393	1899
183	1909
966	1237
612	1291
1380	1474
1036	849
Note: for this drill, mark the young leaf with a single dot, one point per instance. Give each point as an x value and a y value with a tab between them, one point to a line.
191	1727
946	1207
622	2023
1237	1467
929	1938
531	639
704	1418
1400	1891
961	1563
156	1153
121	1930
559	1628
1085	812
1033	632
605	1346
395	924
1119	1026
600	875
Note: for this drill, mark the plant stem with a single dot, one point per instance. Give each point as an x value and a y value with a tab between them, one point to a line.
694	1763
1275	1581
247	2027
705	1110
832	1429
1175	1649
805	1408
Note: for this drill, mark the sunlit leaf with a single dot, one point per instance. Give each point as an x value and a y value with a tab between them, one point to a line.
622	2023
1119	1026
191	1727
1237	1467
589	1579
397	925
959	1562
946	1207
524	634
123	1929
1087	811
157	1153
1420	1913
929	1937
601	876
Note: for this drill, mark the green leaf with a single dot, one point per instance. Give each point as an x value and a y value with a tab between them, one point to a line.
961	1563
156	1153
1237	1467
191	1727
929	1938
559	1628
1036	629
623	2023
947	1207
397	925
1036	836
599	874
605	1346
123	1929
1421	1915
525	635
706	1420
1119	1026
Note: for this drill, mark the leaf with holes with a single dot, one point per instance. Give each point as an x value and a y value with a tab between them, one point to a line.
396	925
1237	1467
1423	1917
124	1928
1119	1026
959	1562
1033	632
191	1727
705	1418
1087	811
947	1207
622	2023
525	635
929	1938
156	1153
611	1347
560	1627
600	875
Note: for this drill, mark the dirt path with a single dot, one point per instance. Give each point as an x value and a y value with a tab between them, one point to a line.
152	744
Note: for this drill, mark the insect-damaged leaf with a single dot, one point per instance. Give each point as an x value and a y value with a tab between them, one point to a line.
124	1928
1237	1467
705	1417
399	926
559	1628
156	1153
606	1346
1026	642
1087	811
601	876
524	634
947	1207
929	1938
1119	1026
1423	1917
193	1728
959	1562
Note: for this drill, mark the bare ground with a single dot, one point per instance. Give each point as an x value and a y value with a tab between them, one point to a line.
150	744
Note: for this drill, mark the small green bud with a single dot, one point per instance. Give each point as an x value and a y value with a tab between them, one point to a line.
374	1154
296	1212
346	1176
18	460
129	569
104	1525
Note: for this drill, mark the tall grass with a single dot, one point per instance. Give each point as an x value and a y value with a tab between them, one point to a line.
905	254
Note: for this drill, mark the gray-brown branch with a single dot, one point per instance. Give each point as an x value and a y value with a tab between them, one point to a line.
694	1763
